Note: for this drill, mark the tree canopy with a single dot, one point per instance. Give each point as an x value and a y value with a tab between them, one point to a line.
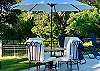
23	25
85	22
95	3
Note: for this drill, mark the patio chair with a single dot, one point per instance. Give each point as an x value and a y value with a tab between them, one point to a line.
81	53
78	57
61	42
35	55
93	39
93	50
75	56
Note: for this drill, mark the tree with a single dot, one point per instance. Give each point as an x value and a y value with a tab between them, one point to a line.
60	19
7	18
42	24
24	25
5	5
95	3
85	22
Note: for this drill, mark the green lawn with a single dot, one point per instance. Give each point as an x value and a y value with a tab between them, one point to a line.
19	63
14	63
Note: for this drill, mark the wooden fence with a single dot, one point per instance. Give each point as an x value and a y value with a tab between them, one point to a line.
14	50
11	48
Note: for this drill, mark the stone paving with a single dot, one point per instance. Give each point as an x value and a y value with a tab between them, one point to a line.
90	65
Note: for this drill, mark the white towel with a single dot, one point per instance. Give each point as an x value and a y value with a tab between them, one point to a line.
35	51
68	45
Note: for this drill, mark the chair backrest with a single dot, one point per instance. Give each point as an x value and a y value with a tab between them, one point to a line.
74	50
66	41
61	40
34	51
93	39
77	51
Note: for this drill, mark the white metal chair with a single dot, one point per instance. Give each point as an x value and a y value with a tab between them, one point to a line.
35	55
73	58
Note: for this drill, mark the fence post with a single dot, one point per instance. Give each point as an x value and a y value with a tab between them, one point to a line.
0	48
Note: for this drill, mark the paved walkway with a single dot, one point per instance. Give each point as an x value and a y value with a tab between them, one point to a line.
91	65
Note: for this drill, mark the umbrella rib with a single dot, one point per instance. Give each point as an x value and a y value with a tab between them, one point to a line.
33	7
14	7
75	7
55	8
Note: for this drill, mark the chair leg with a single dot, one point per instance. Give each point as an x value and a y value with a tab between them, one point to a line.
70	65
77	66
59	64
56	68
67	64
38	66
45	68
29	65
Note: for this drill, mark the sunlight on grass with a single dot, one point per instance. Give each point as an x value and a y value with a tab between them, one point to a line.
10	57
87	44
13	63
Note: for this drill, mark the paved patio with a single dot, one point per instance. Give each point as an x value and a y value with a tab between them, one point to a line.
90	65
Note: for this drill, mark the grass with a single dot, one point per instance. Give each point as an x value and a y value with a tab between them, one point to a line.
86	44
14	63
19	63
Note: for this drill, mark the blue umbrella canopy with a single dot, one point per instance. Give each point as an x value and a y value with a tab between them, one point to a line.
45	5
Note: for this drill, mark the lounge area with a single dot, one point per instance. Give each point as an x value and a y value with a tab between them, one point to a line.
90	65
73	58
49	35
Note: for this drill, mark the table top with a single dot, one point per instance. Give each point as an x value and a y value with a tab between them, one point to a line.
45	60
54	49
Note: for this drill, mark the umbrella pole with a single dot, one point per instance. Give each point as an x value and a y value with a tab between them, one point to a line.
51	5
51	29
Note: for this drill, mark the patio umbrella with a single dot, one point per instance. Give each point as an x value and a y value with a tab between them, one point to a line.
51	6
